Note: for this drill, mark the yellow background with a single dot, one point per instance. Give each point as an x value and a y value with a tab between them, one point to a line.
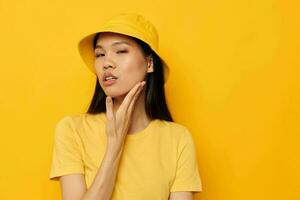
234	83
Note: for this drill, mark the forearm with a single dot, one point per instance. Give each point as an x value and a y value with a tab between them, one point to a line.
104	182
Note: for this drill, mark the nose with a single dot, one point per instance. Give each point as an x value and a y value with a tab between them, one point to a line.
108	63
105	67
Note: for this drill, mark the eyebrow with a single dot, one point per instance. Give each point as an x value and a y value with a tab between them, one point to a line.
115	43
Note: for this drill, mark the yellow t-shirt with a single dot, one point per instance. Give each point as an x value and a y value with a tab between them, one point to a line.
155	161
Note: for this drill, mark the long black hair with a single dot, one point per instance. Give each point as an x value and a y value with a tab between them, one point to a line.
155	102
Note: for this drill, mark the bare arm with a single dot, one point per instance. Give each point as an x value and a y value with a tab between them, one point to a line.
104	182
74	186
181	196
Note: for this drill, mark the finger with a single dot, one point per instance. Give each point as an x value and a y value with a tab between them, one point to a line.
132	103
128	111
135	96
129	96
110	115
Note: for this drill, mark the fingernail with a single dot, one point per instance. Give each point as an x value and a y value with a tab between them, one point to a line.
108	99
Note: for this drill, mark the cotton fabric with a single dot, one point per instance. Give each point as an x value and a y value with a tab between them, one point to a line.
155	161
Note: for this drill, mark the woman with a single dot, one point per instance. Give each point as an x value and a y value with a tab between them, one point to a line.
126	146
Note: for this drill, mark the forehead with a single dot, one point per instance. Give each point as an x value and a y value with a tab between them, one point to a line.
109	39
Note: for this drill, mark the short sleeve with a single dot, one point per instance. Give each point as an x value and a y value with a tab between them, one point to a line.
187	176
66	156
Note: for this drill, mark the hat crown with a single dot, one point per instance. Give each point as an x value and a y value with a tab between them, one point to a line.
137	22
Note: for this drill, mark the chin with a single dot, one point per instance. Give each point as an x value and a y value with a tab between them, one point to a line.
118	90
116	93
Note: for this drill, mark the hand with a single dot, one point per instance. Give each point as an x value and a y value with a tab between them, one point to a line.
117	126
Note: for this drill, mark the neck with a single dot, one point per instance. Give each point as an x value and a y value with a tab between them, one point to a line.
139	119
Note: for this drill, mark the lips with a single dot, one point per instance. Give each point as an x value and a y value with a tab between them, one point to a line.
107	74
108	82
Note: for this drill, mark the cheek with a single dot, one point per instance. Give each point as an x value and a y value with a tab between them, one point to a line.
132	75
97	66
134	67
130	71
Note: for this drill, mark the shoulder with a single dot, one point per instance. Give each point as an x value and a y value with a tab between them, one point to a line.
175	126
178	137
176	129
69	120
80	119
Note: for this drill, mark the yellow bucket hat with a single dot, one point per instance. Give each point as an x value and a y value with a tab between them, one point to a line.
131	24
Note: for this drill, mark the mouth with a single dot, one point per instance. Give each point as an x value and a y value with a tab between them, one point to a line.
109	81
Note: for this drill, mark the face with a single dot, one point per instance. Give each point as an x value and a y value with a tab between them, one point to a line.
123	57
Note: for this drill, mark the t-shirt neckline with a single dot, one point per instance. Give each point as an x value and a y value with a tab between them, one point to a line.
137	135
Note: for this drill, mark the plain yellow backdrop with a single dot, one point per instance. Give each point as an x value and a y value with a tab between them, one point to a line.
234	83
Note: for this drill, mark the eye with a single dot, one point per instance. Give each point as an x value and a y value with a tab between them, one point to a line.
98	55
122	51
